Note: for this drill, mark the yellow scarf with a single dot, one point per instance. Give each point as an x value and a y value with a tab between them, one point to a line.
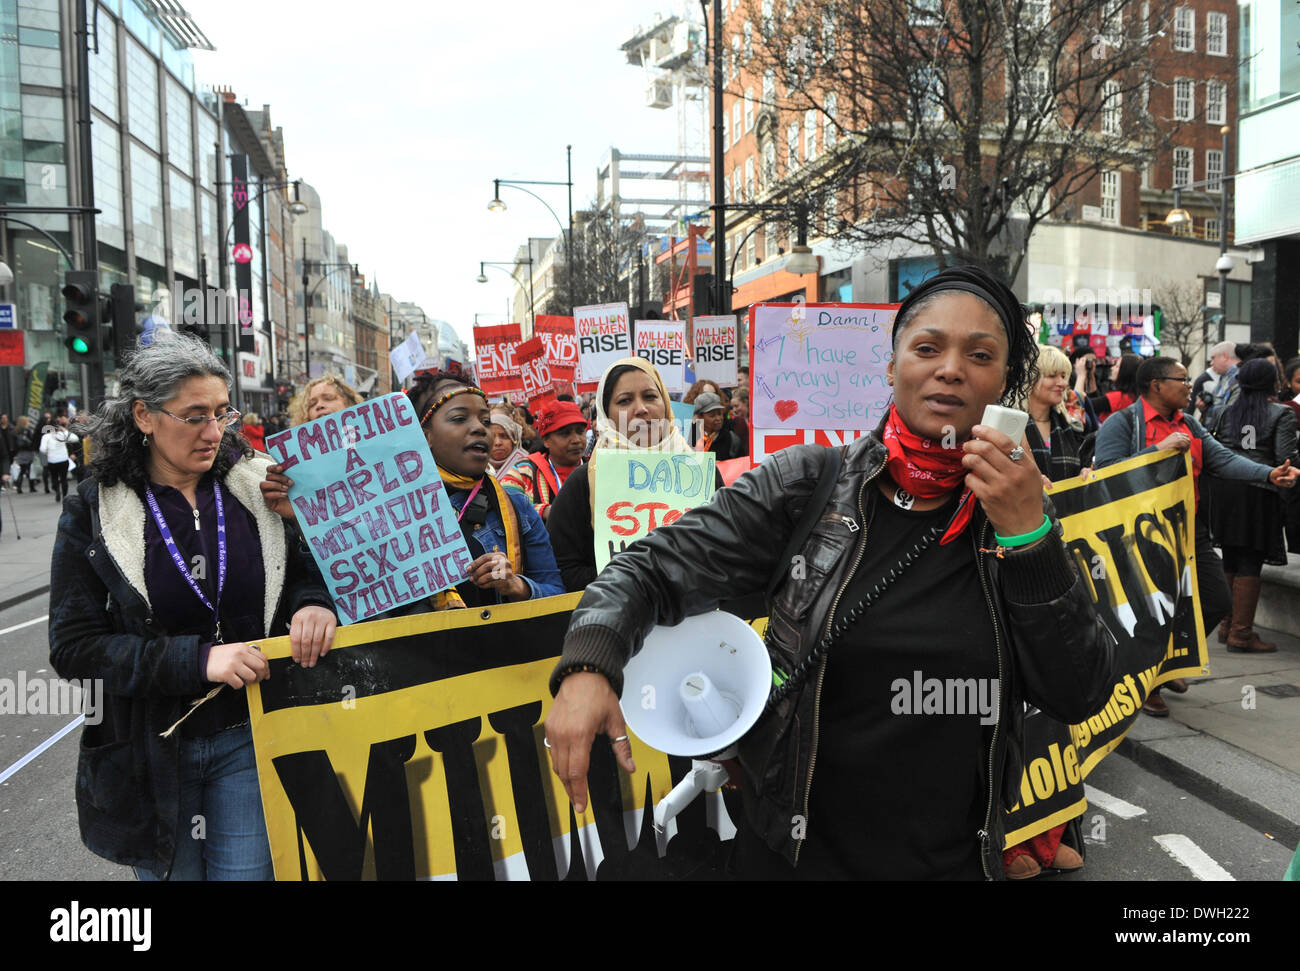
449	599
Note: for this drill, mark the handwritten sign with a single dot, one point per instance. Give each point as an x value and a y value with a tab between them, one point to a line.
715	350
561	342
639	490
407	356
663	344
494	348
604	336
820	365
373	507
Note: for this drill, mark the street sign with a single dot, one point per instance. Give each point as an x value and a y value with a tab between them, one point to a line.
8	316
242	253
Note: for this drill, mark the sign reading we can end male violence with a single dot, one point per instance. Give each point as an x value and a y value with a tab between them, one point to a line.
372	506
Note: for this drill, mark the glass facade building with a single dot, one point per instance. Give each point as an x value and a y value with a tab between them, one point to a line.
1266	185
154	140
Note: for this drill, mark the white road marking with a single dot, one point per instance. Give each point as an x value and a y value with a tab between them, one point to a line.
26	623
35	753
1112	804
1193	857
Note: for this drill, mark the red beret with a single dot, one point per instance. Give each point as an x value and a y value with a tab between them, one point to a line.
557	415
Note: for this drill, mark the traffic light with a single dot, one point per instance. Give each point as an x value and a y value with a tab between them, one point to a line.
120	311
81	318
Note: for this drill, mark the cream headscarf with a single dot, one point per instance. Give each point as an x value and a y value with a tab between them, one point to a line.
517	454
607	433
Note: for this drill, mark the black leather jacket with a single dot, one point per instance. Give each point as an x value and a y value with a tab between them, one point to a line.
1051	648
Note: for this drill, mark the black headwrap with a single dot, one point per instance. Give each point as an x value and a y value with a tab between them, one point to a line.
1022	356
981	283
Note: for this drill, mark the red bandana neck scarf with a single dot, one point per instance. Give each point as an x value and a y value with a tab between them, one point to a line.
927	470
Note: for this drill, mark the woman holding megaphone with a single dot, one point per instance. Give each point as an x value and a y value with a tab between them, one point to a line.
934	560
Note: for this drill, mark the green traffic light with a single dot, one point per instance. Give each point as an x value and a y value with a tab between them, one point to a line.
80	346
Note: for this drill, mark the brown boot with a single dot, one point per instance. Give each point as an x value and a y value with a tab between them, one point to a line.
1242	638
1225	625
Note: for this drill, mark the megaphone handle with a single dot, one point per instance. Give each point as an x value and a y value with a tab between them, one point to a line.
703	777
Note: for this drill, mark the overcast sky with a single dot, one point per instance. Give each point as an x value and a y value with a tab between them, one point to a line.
402	113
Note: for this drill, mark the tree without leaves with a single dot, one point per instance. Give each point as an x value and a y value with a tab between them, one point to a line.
929	147
604	255
1183	322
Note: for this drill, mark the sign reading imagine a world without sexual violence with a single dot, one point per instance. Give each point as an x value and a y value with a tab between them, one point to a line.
372	506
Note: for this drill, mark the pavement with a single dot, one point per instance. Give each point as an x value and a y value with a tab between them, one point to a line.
25	561
1232	740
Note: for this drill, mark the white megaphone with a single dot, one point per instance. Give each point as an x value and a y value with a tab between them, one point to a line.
695	690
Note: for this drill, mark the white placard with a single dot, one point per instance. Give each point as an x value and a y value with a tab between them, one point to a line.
604	335
716	350
407	356
663	344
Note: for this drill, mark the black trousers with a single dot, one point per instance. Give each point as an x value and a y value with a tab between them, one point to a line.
59	476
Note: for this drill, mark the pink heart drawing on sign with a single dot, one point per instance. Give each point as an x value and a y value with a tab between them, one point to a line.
784	409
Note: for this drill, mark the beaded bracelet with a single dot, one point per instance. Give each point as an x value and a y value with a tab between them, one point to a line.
1024	539
578	669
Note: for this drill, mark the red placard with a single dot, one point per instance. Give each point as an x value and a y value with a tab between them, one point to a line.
535	372
11	348
561	342
495	348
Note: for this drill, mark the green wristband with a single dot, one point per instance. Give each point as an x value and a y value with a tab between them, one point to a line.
1024	539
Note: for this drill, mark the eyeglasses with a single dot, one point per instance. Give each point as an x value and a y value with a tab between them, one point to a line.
1186	381
201	421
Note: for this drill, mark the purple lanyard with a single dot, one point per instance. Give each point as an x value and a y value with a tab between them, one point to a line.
180	561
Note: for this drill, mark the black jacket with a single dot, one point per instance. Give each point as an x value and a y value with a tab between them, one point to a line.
102	626
1052	650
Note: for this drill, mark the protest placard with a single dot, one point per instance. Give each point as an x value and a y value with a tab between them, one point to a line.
372	506
561	342
535	372
604	335
715	350
407	356
494	349
817	373
635	491
663	344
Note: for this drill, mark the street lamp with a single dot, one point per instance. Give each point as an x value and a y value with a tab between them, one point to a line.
1178	216
800	260
496	205
329	269
482	278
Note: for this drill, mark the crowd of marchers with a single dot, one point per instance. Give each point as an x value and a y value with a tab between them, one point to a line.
179	551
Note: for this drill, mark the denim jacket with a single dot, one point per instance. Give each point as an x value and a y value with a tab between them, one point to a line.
539	571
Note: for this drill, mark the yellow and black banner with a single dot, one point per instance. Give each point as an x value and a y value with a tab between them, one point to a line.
1131	531
414	750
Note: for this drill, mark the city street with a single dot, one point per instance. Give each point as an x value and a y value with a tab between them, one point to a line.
1138	826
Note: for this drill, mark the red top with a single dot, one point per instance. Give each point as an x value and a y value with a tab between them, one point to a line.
1118	401
1158	428
256	436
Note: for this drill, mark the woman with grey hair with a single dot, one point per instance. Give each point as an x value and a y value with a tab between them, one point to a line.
167	570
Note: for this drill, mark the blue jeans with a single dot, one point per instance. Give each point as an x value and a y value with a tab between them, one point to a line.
221	832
